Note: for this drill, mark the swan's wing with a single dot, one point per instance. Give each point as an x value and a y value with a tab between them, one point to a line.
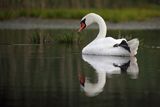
105	46
124	45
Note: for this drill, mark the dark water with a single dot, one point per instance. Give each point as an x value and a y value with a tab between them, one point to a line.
56	75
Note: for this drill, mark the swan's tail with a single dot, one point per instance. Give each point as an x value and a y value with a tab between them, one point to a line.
133	44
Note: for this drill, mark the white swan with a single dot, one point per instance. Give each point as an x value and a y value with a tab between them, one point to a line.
103	45
107	65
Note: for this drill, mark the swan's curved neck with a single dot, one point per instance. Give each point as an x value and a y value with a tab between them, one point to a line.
95	88
101	79
102	27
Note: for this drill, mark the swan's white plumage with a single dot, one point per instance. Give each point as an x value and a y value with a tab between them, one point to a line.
105	45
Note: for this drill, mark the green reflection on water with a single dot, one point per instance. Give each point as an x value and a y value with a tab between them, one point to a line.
47	75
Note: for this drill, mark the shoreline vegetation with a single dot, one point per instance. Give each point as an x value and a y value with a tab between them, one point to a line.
111	14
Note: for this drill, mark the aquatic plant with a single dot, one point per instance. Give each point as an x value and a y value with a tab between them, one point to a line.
47	37
68	38
39	37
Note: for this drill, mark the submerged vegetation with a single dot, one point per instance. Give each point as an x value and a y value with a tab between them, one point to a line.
114	15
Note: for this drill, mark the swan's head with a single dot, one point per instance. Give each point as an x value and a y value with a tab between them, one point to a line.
87	20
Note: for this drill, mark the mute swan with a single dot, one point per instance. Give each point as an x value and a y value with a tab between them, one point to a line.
103	45
106	66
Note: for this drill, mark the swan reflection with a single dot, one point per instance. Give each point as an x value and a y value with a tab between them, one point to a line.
106	66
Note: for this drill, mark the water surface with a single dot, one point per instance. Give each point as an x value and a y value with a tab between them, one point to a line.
55	74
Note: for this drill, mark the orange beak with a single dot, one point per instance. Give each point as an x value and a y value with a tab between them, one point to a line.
83	25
